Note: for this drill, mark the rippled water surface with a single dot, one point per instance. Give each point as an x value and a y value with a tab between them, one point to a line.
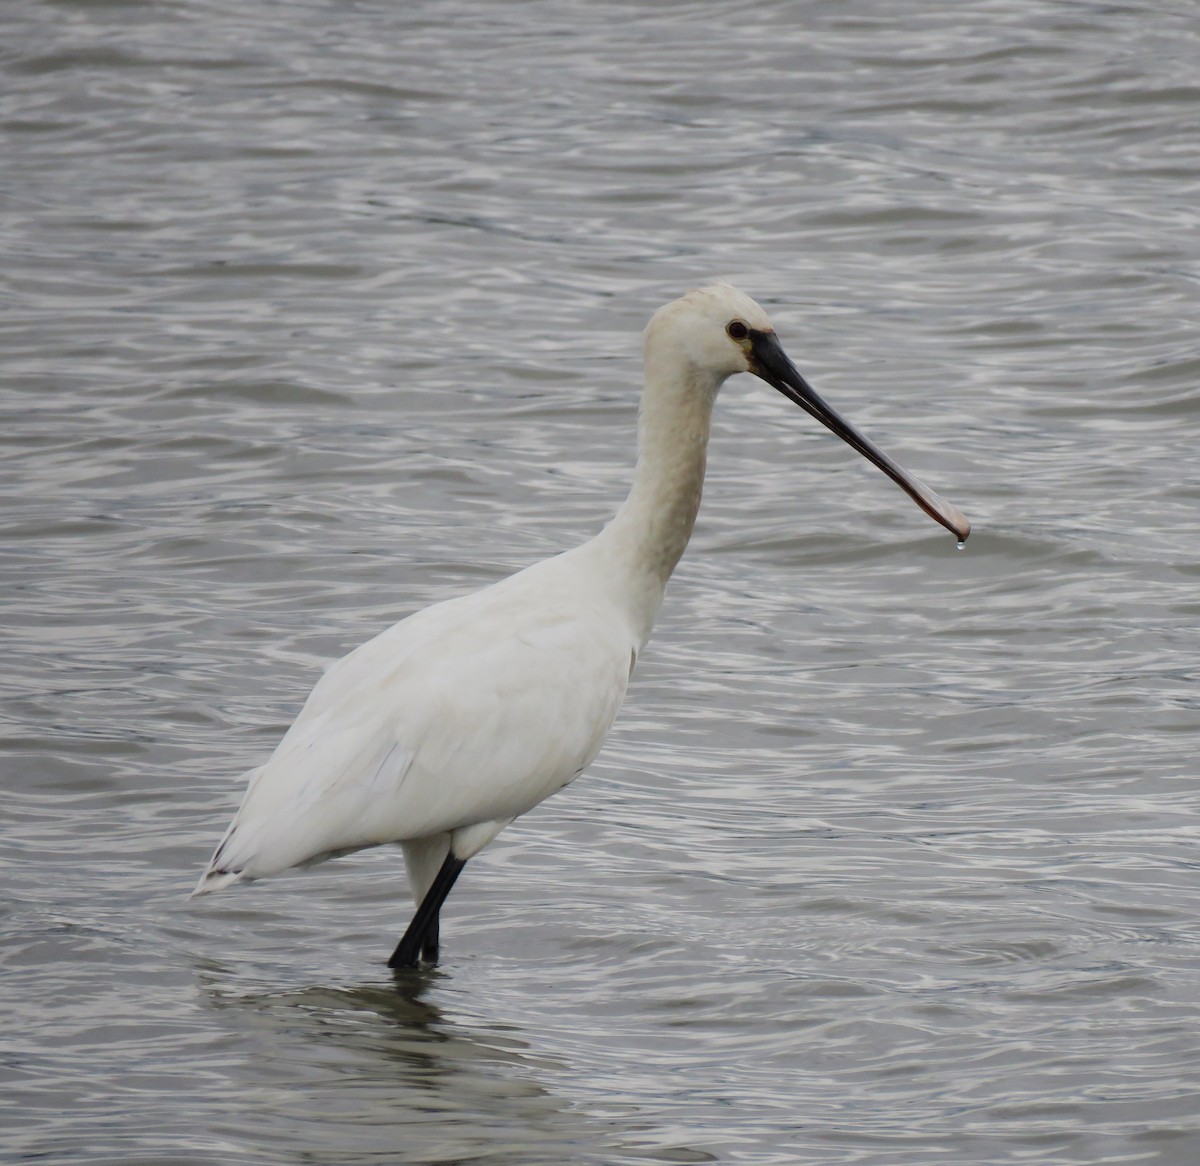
316	312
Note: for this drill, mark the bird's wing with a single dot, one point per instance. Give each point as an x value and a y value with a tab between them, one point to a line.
470	711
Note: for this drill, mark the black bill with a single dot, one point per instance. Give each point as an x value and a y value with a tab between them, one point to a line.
771	363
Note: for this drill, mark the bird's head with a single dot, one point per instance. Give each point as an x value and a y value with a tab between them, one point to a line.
719	331
711	328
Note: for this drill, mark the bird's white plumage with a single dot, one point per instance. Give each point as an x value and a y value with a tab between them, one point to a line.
444	728
440	723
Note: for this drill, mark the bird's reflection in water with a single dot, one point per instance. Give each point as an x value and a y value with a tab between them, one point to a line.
394	1022
390	1066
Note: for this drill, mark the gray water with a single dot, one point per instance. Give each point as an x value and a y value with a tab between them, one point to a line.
315	313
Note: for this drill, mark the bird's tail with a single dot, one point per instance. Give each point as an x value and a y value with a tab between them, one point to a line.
220	873
216	880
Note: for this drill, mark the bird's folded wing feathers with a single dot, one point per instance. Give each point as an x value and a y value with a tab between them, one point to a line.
399	741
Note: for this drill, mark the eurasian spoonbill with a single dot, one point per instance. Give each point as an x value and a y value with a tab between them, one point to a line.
441	730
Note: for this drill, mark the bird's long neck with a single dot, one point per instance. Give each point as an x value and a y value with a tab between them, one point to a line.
647	537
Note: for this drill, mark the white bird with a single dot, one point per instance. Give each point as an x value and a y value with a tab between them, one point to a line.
441	730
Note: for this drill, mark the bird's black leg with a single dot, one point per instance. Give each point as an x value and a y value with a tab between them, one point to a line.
429	945
422	934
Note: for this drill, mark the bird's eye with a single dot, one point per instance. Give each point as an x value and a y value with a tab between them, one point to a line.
737	330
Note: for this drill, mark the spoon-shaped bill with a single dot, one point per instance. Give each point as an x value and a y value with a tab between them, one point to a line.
771	363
